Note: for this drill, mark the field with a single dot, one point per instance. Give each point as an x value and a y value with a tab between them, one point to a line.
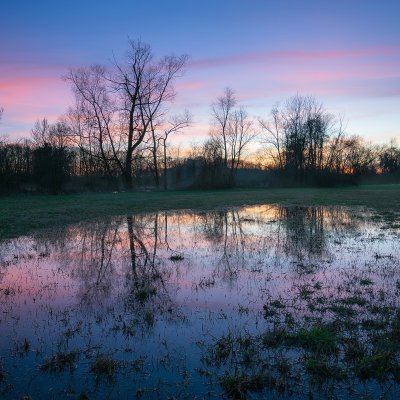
20	215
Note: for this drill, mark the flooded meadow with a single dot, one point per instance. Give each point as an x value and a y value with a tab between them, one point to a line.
256	302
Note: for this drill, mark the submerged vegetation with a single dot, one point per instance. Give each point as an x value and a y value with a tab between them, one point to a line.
60	362
340	349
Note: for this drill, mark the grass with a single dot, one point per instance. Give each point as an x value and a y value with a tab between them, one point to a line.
60	362
104	367
319	339
237	387
20	215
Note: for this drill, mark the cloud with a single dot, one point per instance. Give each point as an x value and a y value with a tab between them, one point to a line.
292	56
28	94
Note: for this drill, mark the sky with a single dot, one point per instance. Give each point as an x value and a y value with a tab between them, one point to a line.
344	52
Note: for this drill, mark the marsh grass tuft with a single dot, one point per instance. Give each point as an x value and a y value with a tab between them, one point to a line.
237	386
321	369
60	362
321	339
104	367
378	366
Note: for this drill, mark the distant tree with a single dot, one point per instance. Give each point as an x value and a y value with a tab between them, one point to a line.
358	158
232	130
160	137
389	158
52	158
41	132
298	136
52	167
213	167
221	111
56	135
240	134
1	114
334	148
273	138
15	164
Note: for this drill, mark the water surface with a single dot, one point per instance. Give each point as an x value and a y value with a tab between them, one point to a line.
285	302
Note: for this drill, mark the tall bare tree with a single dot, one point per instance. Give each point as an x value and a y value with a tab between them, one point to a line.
118	107
144	85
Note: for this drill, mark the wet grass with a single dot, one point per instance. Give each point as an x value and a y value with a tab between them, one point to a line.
21	215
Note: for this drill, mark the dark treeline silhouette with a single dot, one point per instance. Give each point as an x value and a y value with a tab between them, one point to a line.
308	145
117	134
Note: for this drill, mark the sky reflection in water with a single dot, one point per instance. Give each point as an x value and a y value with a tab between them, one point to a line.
134	306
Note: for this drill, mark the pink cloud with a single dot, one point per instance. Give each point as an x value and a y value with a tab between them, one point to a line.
25	90
30	94
292	56
190	85
334	72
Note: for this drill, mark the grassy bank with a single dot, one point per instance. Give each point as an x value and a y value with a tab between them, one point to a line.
21	215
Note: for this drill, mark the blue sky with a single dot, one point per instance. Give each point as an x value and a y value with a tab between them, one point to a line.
346	53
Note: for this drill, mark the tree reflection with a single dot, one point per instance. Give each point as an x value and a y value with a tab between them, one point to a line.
305	233
94	262
146	279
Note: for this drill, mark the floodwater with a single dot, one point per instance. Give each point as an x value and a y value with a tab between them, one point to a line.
257	302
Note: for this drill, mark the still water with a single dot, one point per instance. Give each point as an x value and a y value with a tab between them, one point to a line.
258	302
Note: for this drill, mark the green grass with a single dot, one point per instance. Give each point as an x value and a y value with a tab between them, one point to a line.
21	215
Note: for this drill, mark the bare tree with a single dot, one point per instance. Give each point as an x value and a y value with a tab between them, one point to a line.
221	111
334	148
55	135
232	131
273	137
175	125
40	132
145	86
93	116
240	134
116	109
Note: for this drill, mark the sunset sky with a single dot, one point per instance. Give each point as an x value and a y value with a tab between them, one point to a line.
346	53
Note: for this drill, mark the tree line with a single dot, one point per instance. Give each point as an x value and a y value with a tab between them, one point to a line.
117	135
